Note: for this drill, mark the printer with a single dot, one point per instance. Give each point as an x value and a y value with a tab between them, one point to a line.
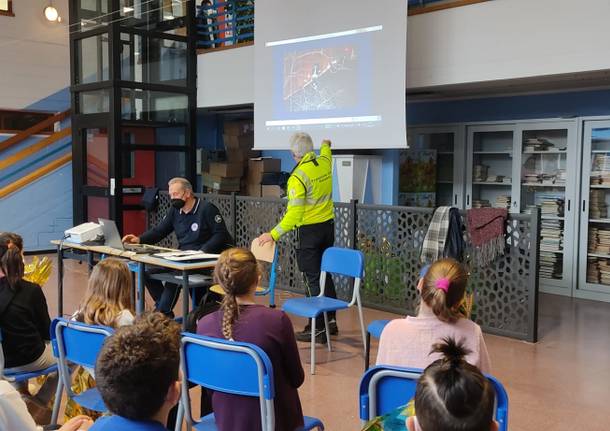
84	233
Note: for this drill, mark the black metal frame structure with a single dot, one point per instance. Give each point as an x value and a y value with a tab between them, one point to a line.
117	25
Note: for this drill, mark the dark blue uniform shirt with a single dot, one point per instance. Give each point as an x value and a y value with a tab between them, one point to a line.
203	228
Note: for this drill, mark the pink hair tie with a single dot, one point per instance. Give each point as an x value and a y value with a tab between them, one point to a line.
443	284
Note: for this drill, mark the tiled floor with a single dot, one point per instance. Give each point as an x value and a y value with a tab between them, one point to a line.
560	383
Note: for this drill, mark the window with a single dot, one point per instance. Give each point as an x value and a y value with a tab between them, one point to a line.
6	7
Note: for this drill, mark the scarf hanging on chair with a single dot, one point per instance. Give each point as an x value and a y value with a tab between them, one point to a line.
486	227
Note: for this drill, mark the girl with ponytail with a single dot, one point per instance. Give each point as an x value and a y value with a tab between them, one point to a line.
240	318
24	319
453	395
406	342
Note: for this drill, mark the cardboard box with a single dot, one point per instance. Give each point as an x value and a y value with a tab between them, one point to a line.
226	169
243	142
242	156
272	191
224	184
254	190
237	128
258	166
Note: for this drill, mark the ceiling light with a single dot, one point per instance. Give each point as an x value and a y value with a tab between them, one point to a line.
127	9
51	13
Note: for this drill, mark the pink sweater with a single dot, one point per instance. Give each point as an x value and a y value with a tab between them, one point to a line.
407	342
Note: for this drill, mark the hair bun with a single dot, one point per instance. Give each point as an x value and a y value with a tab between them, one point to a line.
453	351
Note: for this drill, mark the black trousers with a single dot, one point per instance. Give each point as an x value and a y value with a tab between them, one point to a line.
312	241
165	296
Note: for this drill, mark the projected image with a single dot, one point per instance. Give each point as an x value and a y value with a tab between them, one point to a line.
320	79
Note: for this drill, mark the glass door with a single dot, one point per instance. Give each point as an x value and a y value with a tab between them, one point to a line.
594	272
489	167
446	144
546	150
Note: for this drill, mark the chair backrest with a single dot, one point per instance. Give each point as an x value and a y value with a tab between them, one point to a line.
343	261
78	342
230	367
383	388
267	253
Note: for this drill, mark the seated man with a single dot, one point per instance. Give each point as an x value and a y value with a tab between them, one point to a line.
137	374
198	226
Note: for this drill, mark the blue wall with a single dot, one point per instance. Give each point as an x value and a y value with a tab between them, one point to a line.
41	211
555	105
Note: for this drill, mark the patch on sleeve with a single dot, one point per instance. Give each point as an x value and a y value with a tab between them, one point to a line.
218	218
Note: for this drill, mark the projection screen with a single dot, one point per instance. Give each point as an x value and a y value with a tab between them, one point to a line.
332	68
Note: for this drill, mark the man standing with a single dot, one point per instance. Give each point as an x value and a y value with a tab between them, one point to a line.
311	211
198	226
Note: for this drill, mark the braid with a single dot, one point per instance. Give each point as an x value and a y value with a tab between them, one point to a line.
230	313
236	272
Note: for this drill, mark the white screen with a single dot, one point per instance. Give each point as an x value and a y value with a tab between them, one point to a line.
332	68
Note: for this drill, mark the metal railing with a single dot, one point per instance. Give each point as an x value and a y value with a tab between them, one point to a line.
505	292
225	23
231	22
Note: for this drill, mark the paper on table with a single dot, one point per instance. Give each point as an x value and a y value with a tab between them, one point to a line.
181	255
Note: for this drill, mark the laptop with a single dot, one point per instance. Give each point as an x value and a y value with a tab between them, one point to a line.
113	239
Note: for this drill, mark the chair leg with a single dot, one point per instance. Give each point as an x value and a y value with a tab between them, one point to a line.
367	351
361	323
313	346
179	417
57	403
327	332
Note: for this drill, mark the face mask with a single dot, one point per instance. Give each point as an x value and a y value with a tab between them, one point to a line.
178	203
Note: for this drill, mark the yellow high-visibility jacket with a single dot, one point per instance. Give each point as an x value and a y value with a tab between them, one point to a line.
310	193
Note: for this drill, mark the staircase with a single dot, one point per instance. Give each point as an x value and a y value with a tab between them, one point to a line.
36	182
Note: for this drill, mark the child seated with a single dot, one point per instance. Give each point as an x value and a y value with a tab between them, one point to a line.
241	319
452	394
137	374
406	342
107	301
25	323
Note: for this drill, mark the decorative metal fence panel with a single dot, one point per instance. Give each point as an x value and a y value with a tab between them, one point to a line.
391	238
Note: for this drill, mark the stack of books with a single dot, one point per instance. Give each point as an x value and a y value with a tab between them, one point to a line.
598	209
502	201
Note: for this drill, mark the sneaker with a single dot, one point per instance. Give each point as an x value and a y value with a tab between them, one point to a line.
305	335
332	327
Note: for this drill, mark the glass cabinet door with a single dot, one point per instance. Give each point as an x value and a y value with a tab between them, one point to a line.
546	150
445	144
490	166
594	278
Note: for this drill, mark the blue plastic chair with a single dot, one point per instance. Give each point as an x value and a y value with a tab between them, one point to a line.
374	329
212	363
21	376
77	343
384	388
335	260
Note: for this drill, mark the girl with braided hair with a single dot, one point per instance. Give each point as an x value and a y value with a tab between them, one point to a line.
240	318
406	342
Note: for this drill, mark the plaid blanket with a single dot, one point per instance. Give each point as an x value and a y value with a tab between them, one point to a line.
434	242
